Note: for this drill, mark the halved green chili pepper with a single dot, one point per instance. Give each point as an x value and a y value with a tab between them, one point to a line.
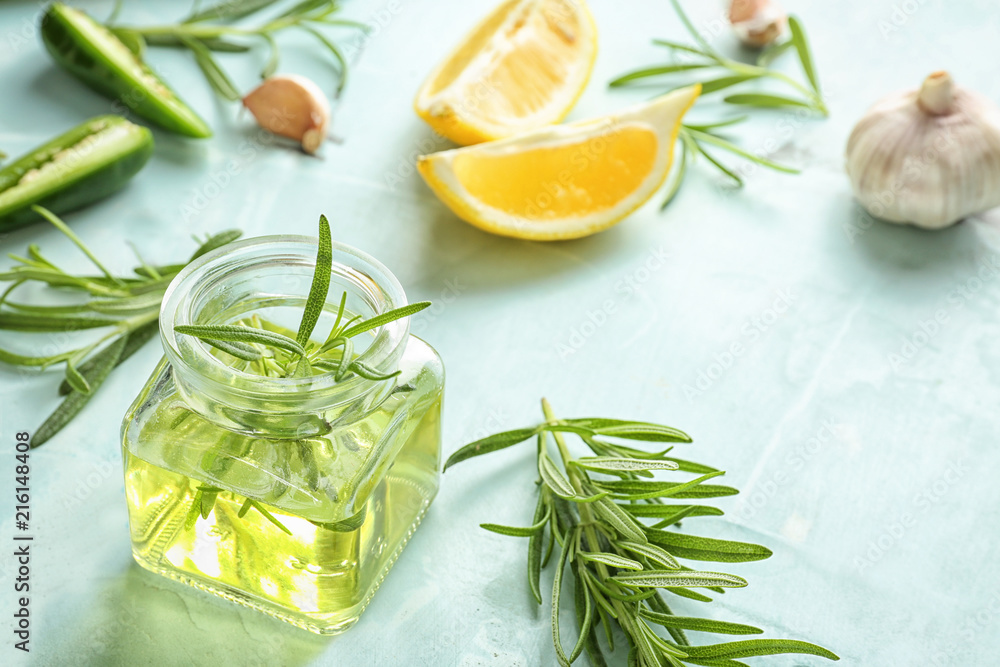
99	58
81	166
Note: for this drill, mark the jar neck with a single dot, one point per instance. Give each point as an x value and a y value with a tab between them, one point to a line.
271	277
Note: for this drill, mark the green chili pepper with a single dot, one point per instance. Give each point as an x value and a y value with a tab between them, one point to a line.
81	166
99	58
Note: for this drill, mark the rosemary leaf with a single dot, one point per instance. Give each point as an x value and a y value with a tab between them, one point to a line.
335	51
535	548
210	43
215	75
516	531
699	624
732	148
663	511
490	444
273	58
556	596
584	616
664	578
133	341
132	40
215	242
614	465
75	379
369	373
647	72
678	46
554	477
240	334
801	44
653	553
619	519
64	228
713	161
771	53
385	318
765	100
705	127
631	430
611	560
41	323
128	305
706	548
678	178
320	284
235	348
757	647
723	82
15	359
229	10
76	400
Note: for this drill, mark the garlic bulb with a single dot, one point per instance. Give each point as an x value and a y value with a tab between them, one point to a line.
927	157
292	106
757	23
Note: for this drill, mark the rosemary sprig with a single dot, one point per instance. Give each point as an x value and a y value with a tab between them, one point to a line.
270	353
127	306
593	508
717	72
215	29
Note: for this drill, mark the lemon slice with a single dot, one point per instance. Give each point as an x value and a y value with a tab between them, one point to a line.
523	67
562	181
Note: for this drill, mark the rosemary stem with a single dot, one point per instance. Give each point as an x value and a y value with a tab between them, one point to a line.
209	32
757	71
586	514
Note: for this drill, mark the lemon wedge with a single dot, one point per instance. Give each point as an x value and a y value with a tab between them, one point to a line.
562	181
521	68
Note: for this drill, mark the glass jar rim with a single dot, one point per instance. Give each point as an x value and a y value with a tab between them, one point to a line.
209	373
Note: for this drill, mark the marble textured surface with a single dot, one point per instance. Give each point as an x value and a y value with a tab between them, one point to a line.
859	421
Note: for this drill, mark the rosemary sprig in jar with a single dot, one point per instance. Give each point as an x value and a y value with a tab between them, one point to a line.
255	346
594	508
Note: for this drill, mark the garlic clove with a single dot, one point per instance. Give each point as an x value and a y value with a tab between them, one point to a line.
292	106
927	157
757	23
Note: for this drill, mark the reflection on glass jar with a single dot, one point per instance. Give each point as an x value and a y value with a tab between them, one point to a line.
293	496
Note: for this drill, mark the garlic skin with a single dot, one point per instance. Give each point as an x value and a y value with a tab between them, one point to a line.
757	23
927	157
292	106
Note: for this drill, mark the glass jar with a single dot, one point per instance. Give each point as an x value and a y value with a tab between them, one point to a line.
293	496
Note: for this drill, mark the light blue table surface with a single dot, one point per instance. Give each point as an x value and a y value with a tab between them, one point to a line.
871	476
